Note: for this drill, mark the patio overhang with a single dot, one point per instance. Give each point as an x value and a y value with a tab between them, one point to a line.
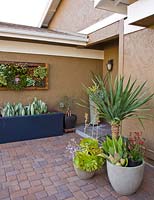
141	13
118	6
104	34
37	34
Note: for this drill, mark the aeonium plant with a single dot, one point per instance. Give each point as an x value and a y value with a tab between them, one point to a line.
86	155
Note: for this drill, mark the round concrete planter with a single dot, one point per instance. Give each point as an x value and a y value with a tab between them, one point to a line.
125	180
83	174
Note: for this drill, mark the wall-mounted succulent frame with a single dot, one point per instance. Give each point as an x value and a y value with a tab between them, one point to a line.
23	76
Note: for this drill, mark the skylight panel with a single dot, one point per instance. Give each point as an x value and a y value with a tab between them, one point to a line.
24	12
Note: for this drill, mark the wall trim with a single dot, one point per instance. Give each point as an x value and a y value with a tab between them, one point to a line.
46	49
103	23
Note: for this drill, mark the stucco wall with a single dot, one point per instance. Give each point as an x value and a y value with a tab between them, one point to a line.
111	52
139	63
74	15
65	78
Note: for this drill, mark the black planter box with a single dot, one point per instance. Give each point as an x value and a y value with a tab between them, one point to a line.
20	128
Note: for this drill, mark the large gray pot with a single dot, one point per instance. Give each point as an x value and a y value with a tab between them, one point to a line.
83	174
125	180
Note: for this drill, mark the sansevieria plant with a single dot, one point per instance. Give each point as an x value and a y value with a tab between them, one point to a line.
120	100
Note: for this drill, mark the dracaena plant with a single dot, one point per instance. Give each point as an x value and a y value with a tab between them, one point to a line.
120	100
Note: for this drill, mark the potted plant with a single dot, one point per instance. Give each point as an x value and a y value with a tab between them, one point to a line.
69	119
24	122
119	101
120	153
86	157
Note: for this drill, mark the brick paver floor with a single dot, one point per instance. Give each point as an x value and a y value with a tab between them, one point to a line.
41	169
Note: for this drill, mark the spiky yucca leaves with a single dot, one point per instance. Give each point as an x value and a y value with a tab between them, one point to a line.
120	101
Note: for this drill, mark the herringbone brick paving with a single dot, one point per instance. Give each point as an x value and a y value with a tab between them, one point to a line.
41	169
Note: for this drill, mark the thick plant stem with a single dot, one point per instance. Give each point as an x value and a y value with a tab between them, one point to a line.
115	130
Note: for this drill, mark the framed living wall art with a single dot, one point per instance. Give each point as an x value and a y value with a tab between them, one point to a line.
23	76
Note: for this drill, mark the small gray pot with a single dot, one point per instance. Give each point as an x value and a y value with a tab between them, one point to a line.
125	180
83	174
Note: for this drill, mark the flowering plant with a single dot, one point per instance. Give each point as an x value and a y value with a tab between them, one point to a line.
72	147
86	155
135	146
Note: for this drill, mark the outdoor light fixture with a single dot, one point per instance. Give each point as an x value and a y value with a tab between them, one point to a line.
109	65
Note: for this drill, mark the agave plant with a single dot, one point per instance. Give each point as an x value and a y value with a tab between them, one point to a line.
120	101
35	108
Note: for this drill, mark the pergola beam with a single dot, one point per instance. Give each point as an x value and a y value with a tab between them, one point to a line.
117	2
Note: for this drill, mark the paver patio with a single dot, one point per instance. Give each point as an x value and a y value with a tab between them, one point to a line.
41	169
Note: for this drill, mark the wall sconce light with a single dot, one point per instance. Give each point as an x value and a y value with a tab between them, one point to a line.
109	65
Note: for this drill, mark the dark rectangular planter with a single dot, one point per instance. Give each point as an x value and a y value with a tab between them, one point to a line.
20	128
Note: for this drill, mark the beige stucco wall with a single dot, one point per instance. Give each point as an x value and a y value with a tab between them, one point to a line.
65	78
111	52
75	15
139	63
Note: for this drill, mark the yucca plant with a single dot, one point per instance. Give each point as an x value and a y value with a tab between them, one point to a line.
119	100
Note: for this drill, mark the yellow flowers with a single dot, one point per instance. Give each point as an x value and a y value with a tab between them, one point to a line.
93	88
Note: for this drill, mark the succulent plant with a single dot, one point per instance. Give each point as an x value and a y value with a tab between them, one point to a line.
116	151
87	155
8	110
3	81
40	72
35	108
30	82
17	76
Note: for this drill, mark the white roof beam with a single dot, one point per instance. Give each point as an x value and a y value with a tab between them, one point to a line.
117	2
50	12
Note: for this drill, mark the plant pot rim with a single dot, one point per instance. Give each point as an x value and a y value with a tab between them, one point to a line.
127	167
70	115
